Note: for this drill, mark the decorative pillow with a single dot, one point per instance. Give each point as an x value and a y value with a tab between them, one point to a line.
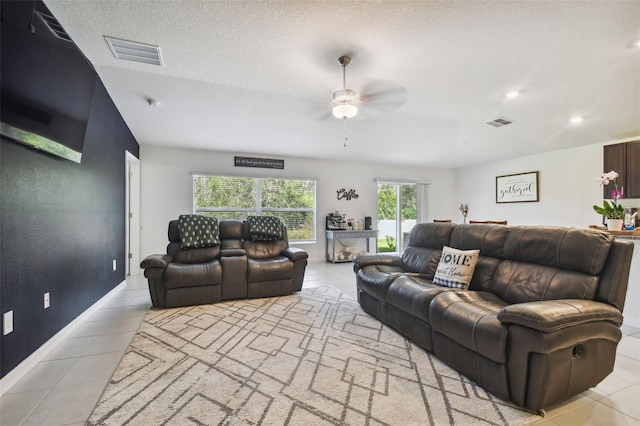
456	267
197	231
265	228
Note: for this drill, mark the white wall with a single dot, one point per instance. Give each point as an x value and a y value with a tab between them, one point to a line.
567	186
167	188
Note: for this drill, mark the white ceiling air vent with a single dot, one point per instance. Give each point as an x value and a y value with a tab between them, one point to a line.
133	51
53	24
499	122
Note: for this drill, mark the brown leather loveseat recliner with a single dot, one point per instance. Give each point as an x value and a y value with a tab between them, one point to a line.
238	266
540	321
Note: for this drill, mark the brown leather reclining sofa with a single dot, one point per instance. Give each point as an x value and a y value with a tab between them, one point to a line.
540	321
238	267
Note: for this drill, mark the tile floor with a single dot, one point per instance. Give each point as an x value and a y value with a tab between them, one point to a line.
64	387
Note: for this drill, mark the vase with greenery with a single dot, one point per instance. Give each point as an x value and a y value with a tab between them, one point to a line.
613	212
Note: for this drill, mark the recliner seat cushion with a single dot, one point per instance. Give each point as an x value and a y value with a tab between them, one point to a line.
413	294
470	318
278	268
376	279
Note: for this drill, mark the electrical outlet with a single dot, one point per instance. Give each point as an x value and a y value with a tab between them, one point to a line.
7	323
114	264
46	300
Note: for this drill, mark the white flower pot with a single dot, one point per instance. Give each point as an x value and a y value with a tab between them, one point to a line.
614	224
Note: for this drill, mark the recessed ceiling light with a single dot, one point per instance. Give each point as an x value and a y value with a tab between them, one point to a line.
576	119
152	102
512	94
637	43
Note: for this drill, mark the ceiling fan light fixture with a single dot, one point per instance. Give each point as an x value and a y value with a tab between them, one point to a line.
345	110
345	103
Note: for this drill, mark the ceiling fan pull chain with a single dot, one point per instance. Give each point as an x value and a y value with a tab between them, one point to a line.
346	136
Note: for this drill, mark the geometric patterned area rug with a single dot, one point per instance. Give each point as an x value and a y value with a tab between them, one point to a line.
311	358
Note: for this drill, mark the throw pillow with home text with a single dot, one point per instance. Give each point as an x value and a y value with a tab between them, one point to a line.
456	267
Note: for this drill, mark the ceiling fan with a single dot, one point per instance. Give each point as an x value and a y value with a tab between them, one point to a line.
345	102
377	95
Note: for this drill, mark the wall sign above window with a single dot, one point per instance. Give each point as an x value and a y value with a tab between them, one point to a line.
264	163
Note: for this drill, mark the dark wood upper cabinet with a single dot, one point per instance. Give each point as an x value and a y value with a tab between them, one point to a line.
633	170
624	158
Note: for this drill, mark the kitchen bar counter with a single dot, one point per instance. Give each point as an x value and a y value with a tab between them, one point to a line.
628	234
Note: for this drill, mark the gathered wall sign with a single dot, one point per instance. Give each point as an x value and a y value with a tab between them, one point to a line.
344	194
517	188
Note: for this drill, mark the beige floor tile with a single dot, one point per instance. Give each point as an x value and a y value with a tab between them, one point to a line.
92	367
16	407
627	368
117	342
629	346
594	413
608	386
71	348
626	401
45	374
67	404
571	404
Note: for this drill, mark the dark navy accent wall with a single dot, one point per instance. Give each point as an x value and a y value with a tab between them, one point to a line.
61	226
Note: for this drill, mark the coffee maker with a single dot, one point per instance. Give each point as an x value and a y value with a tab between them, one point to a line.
631	219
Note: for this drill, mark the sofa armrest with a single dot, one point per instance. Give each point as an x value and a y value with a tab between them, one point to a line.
156	261
553	315
233	252
295	253
363	260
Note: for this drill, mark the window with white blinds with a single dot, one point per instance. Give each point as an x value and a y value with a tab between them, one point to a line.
236	197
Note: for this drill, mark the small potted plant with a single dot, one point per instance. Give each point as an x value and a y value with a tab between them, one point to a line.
613	212
464	209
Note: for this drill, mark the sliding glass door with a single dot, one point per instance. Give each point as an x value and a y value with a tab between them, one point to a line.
397	215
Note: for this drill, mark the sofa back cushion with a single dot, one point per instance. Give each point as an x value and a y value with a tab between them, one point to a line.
264	249
231	234
518	282
546	263
198	255
425	245
574	249
489	239
421	260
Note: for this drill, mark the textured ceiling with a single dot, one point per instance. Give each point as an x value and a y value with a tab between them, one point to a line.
257	77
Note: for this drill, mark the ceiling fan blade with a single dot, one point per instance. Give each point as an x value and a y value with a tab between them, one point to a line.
383	96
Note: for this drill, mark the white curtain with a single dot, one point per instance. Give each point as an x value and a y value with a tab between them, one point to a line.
421	201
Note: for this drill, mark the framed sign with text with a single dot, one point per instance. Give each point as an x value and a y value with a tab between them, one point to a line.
518	188
264	163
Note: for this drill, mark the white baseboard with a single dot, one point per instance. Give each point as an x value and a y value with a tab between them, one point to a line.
27	364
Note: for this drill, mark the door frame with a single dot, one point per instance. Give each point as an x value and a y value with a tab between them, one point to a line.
132	214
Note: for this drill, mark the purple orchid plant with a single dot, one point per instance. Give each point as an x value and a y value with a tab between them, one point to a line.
611	210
